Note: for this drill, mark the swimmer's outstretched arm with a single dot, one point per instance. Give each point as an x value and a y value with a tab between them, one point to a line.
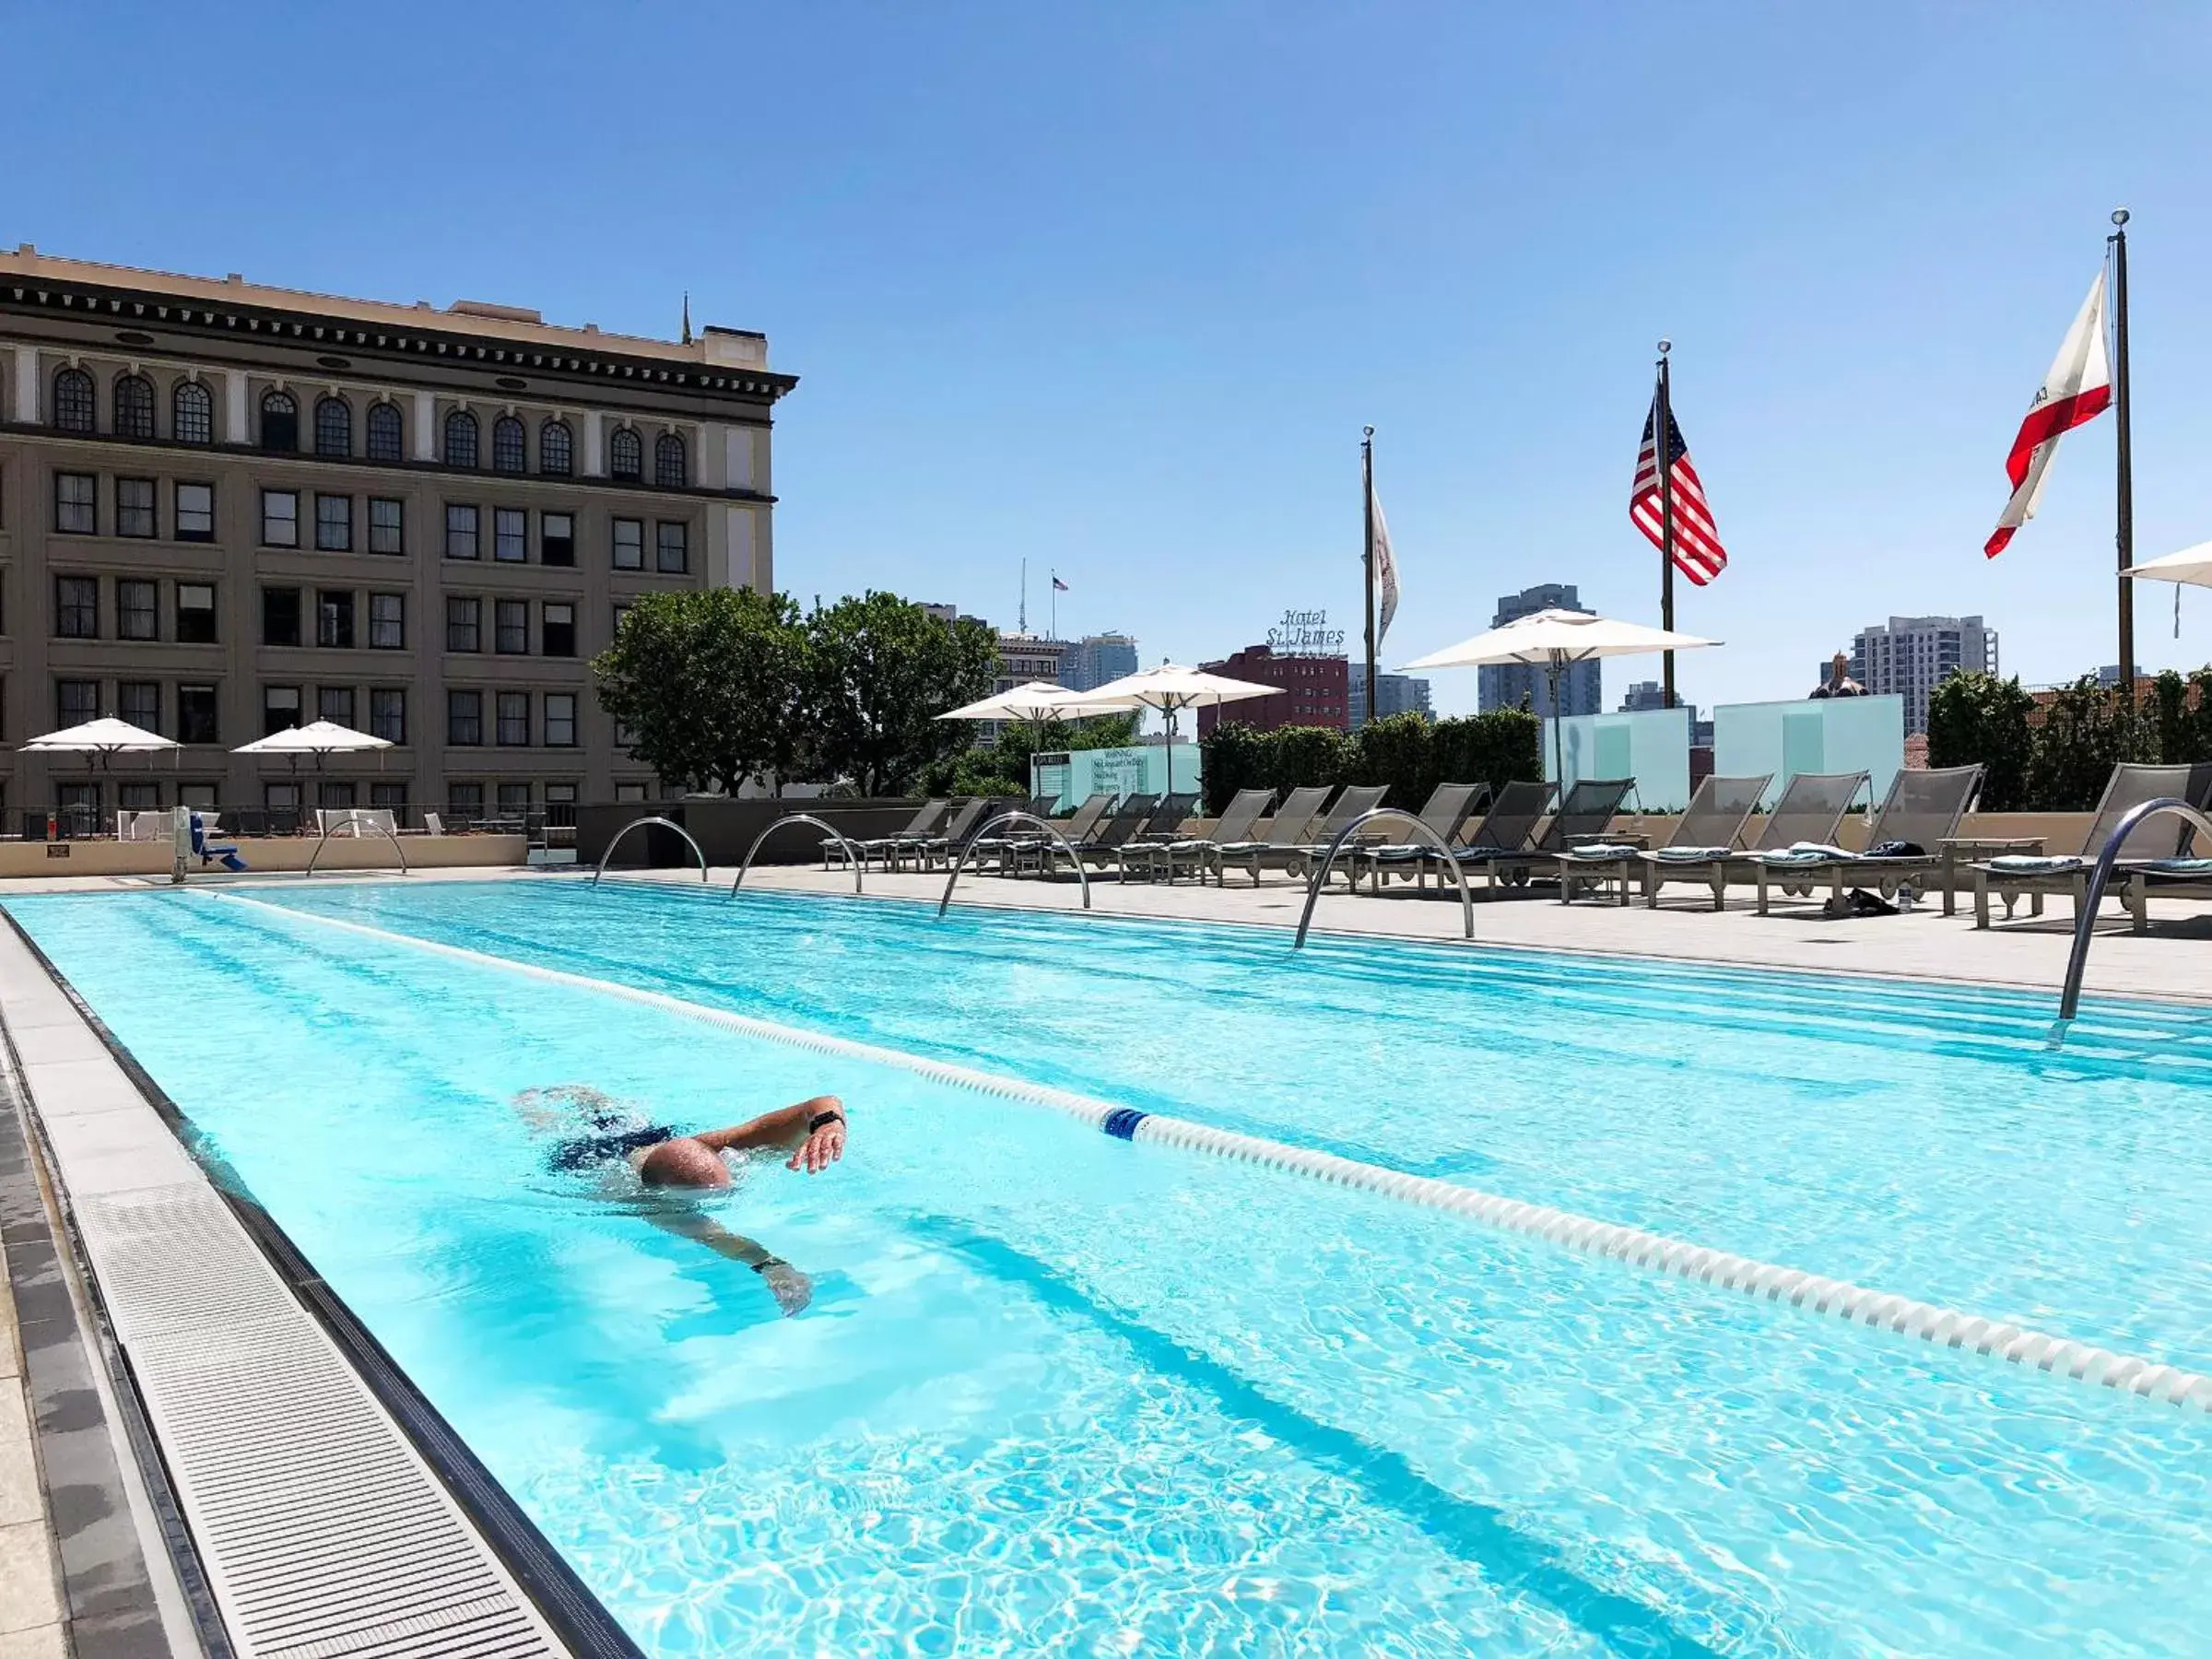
792	1289
788	1128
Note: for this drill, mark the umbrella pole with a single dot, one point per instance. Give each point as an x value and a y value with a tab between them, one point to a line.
1552	671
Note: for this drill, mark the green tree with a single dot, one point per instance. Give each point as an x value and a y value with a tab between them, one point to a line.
881	669
711	683
2085	731
1980	718
1003	768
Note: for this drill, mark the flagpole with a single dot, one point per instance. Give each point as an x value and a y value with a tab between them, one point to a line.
1054	591
1661	429
1366	509
2125	502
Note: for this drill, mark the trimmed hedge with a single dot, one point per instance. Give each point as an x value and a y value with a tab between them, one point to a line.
1410	753
2062	763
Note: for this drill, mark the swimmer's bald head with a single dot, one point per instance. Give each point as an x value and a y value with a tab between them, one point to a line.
683	1163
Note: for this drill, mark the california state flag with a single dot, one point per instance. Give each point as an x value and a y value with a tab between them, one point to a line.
2079	388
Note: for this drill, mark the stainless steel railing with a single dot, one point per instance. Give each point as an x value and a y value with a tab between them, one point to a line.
851	852
357	826
639	823
2085	924
1320	873
1000	821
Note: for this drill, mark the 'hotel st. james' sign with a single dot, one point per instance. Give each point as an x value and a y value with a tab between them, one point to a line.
1305	633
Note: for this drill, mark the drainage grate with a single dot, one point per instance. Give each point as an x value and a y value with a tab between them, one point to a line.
324	1535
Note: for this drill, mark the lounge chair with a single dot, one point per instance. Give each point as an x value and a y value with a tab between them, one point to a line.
1510	826
882	846
1708	829
1236	824
1583	816
1922	813
1163	827
1810	809
2159	846
1450	805
1103	843
1289	829
967	823
1018	839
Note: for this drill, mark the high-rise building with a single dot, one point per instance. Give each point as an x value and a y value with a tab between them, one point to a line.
1508	685
1096	658
1642	695
1026	657
233	508
1395	694
1911	655
1313	691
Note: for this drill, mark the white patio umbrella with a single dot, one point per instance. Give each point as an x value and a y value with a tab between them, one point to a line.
2193	565
1171	688
102	738
1555	641
321	738
1039	701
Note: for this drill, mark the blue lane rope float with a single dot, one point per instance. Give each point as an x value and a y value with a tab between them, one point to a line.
1632	1246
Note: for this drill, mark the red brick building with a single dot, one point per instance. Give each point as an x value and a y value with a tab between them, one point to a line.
1316	691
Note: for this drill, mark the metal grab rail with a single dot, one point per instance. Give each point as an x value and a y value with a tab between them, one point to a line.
2085	924
639	823
999	821
851	852
357	826
1320	876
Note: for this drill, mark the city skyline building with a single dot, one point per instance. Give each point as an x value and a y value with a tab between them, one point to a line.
1395	694
1096	658
1509	685
1315	692
1910	657
232	508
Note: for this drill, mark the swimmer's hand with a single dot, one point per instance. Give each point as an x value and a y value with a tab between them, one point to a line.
792	1289
824	1146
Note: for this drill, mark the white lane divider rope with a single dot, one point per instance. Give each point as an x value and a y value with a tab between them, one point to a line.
1763	1281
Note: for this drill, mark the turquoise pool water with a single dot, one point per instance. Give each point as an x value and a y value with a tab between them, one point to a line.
1061	1394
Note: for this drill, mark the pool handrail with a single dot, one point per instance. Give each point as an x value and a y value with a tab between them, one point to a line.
639	823
851	852
2085	922
1000	820
1412	821
357	826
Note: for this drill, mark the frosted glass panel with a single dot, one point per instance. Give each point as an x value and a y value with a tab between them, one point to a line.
1831	734
1141	769
1651	746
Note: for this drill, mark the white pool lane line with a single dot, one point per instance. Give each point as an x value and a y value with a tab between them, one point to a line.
1762	1281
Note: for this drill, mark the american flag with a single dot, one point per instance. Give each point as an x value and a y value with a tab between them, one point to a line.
1698	551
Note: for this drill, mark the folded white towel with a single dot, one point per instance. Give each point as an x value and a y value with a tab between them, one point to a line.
1600	851
1694	855
1806	852
2022	864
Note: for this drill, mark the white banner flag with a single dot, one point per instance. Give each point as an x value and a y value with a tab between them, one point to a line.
1386	568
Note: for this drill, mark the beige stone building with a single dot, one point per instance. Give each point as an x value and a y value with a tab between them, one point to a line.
226	508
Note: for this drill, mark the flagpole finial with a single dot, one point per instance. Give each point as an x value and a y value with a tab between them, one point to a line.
1666	347
1367	431
2119	215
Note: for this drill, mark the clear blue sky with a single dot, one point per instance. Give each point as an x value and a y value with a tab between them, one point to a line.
1115	287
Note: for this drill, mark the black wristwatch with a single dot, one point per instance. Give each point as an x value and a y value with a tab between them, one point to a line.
814	1123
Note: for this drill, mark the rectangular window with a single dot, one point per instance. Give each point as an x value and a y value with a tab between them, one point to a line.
137	610
77	503
135	507
279	616
195	714
333	524
279	518
620	611
387	621
138	797
514	718
510	626
333	618
460	624
283	803
627	793
515	800
139	703
460	531
392	798
464	718
557	538
76	702
387	522
560	631
195	613
195	513
629	544
388	714
510	535
560	806
560	720
465	803
336	795
674	549
280	709
76	608
334	704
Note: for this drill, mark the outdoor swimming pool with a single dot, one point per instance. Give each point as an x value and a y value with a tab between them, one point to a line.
1061	1392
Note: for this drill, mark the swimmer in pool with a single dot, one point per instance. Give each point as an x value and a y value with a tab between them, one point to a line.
666	1165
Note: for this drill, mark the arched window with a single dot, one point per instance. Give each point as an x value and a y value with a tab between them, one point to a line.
460	439
625	456
334	427
507	444
191	414
134	406
556	448
668	462
386	442
73	401
279	422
